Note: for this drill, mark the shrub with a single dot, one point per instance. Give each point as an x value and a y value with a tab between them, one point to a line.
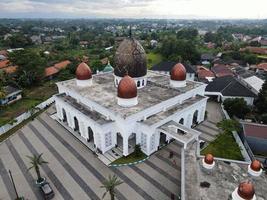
137	150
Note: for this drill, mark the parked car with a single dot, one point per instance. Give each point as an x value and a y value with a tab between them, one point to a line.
47	191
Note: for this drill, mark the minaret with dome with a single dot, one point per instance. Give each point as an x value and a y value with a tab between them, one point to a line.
117	109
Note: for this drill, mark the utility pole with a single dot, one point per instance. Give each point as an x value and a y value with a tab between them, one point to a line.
13	184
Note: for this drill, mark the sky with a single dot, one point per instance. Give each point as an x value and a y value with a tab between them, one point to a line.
170	9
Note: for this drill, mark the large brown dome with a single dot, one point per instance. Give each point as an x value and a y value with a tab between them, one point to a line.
130	58
246	190
178	72
83	72
127	88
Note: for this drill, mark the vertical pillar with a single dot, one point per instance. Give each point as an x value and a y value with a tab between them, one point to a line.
82	129
148	144
198	148
182	174
125	145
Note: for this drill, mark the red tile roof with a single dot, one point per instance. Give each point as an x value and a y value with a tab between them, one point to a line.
255	130
4	64
222	70
262	66
4	53
256	50
203	72
62	64
49	71
10	69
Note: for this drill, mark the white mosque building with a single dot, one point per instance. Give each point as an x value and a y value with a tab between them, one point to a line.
114	111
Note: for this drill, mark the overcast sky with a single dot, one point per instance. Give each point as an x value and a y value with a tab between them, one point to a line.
256	9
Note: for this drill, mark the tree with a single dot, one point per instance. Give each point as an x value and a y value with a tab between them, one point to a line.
229	125
110	186
30	66
236	107
137	150
187	33
2	92
261	101
18	41
36	161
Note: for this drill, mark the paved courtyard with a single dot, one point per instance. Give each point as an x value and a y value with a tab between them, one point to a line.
75	173
208	128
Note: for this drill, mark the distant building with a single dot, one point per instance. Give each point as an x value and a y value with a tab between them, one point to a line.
204	74
256	137
11	95
255	83
256	50
228	87
166	66
51	72
84	44
221	70
153	43
207	57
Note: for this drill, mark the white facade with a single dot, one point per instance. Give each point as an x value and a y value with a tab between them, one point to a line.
101	121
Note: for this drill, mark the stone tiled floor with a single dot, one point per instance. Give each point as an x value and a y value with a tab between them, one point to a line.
75	173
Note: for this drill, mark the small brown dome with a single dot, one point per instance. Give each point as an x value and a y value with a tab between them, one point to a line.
246	190
178	72
209	159
83	72
127	88
255	165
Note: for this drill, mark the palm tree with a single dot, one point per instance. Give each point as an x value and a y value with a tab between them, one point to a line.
36	162
110	185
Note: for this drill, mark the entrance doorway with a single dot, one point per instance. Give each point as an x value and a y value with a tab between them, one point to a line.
64	115
162	139
76	125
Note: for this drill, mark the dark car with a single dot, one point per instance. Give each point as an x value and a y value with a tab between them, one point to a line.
47	191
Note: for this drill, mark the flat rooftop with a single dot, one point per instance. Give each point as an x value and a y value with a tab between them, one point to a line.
96	116
222	179
104	92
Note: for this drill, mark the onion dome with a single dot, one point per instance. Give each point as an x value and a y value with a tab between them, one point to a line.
130	59
255	165
209	159
127	88
255	168
108	68
83	72
178	72
246	190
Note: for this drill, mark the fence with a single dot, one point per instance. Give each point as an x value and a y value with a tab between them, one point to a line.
26	115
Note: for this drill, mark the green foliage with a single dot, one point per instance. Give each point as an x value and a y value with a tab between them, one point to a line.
261	101
177	48
255	44
229	125
187	34
96	65
110	184
137	151
236	107
36	161
18	41
30	66
224	146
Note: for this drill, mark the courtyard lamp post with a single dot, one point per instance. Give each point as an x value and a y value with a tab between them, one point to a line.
13	183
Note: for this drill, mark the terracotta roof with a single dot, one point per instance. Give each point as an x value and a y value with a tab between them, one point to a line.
203	72
49	71
10	69
255	130
262	66
4	52
62	64
222	70
4	63
257	50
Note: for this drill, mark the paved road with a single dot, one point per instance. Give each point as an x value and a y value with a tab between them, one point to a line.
75	173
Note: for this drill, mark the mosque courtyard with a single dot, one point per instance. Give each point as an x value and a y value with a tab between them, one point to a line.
74	172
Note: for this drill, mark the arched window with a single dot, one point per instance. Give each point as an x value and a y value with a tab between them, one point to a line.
143	82
181	121
138	83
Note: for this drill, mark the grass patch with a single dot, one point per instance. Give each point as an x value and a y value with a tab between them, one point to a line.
153	58
31	98
19	126
262	56
129	159
224	146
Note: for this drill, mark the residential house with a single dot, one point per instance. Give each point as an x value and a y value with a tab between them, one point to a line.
221	70
51	72
12	94
222	88
204	74
255	135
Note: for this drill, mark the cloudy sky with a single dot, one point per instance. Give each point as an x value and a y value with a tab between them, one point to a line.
134	8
